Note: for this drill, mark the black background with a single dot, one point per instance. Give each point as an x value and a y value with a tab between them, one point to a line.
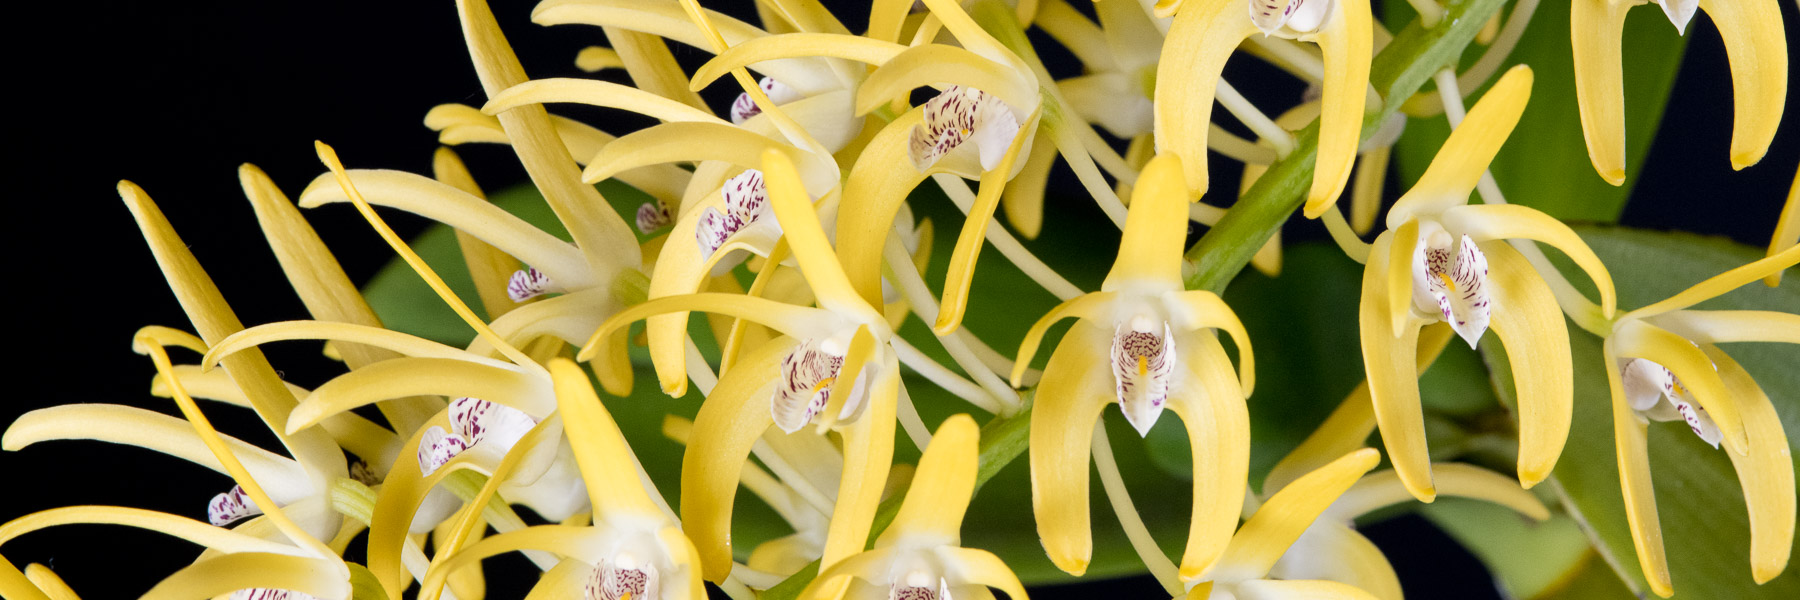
175	95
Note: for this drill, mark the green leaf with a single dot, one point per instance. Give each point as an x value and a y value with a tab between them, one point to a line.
1529	559
1705	528
1552	173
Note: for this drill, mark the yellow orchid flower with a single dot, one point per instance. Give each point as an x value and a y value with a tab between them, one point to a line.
1244	569
1754	41
1204	34
833	366
920	556
632	549
1663	364
1151	326
1443	260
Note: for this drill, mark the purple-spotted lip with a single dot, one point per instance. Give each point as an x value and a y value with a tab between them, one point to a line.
1143	366
960	115
746	205
528	283
269	594
744	107
611	580
472	422
230	507
1452	287
804	388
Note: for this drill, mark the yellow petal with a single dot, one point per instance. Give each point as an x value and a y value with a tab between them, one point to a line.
1719	284
1218	428
1203	36
1269	589
574	542
1599	29
1023	199
1334	551
46	580
961	271
1757	47
872	195
1469	149
943	65
1399	282
729	423
1155	228
1075	388
604	94
1382	489
221	575
1346	41
385	339
1349	425
796	45
868	566
980	567
1484	222
1206	310
1725	326
15	585
1637	339
856	358
1629	435
1268	533
652	67
1766	472
490	270
683	142
207	536
1787	230
798	321
941	487
1389	362
460	124
1365	198
602	235
970	35
600	450
403	377
868	454
1096	306
1530	324
806	239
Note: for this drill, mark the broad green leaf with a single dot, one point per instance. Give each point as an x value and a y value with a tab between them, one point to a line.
1529	559
1553	173
1705	527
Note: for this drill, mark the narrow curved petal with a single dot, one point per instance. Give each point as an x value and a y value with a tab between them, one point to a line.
1155	229
1207	310
1347	41
440	202
15	584
1333	551
1766	472
207	536
970	34
869	566
1718	285
942	65
1218	429
868	454
1023	199
1205	33
1095	306
796	45
1389	363
458	124
604	94
1269	589
1399	284
607	464
47	580
1757	47
404	377
806	239
1637	339
385	339
575	542
375	444
1787	230
980	567
683	142
873	192
1075	388
1268	533
850	383
221	575
1484	222
1632	446
961	271
1597	33
1382	489
1530	324
1469	150
729	423
789	319
1725	326
1348	427
941	487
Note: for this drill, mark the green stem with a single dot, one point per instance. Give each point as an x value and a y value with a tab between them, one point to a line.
1002	440
1397	73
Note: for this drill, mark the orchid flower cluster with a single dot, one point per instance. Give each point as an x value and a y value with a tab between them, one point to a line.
787	219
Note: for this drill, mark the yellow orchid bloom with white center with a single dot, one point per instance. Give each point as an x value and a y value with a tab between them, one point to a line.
1147	344
833	367
919	556
1444	260
1244	569
1754	41
632	549
1203	36
1663	364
